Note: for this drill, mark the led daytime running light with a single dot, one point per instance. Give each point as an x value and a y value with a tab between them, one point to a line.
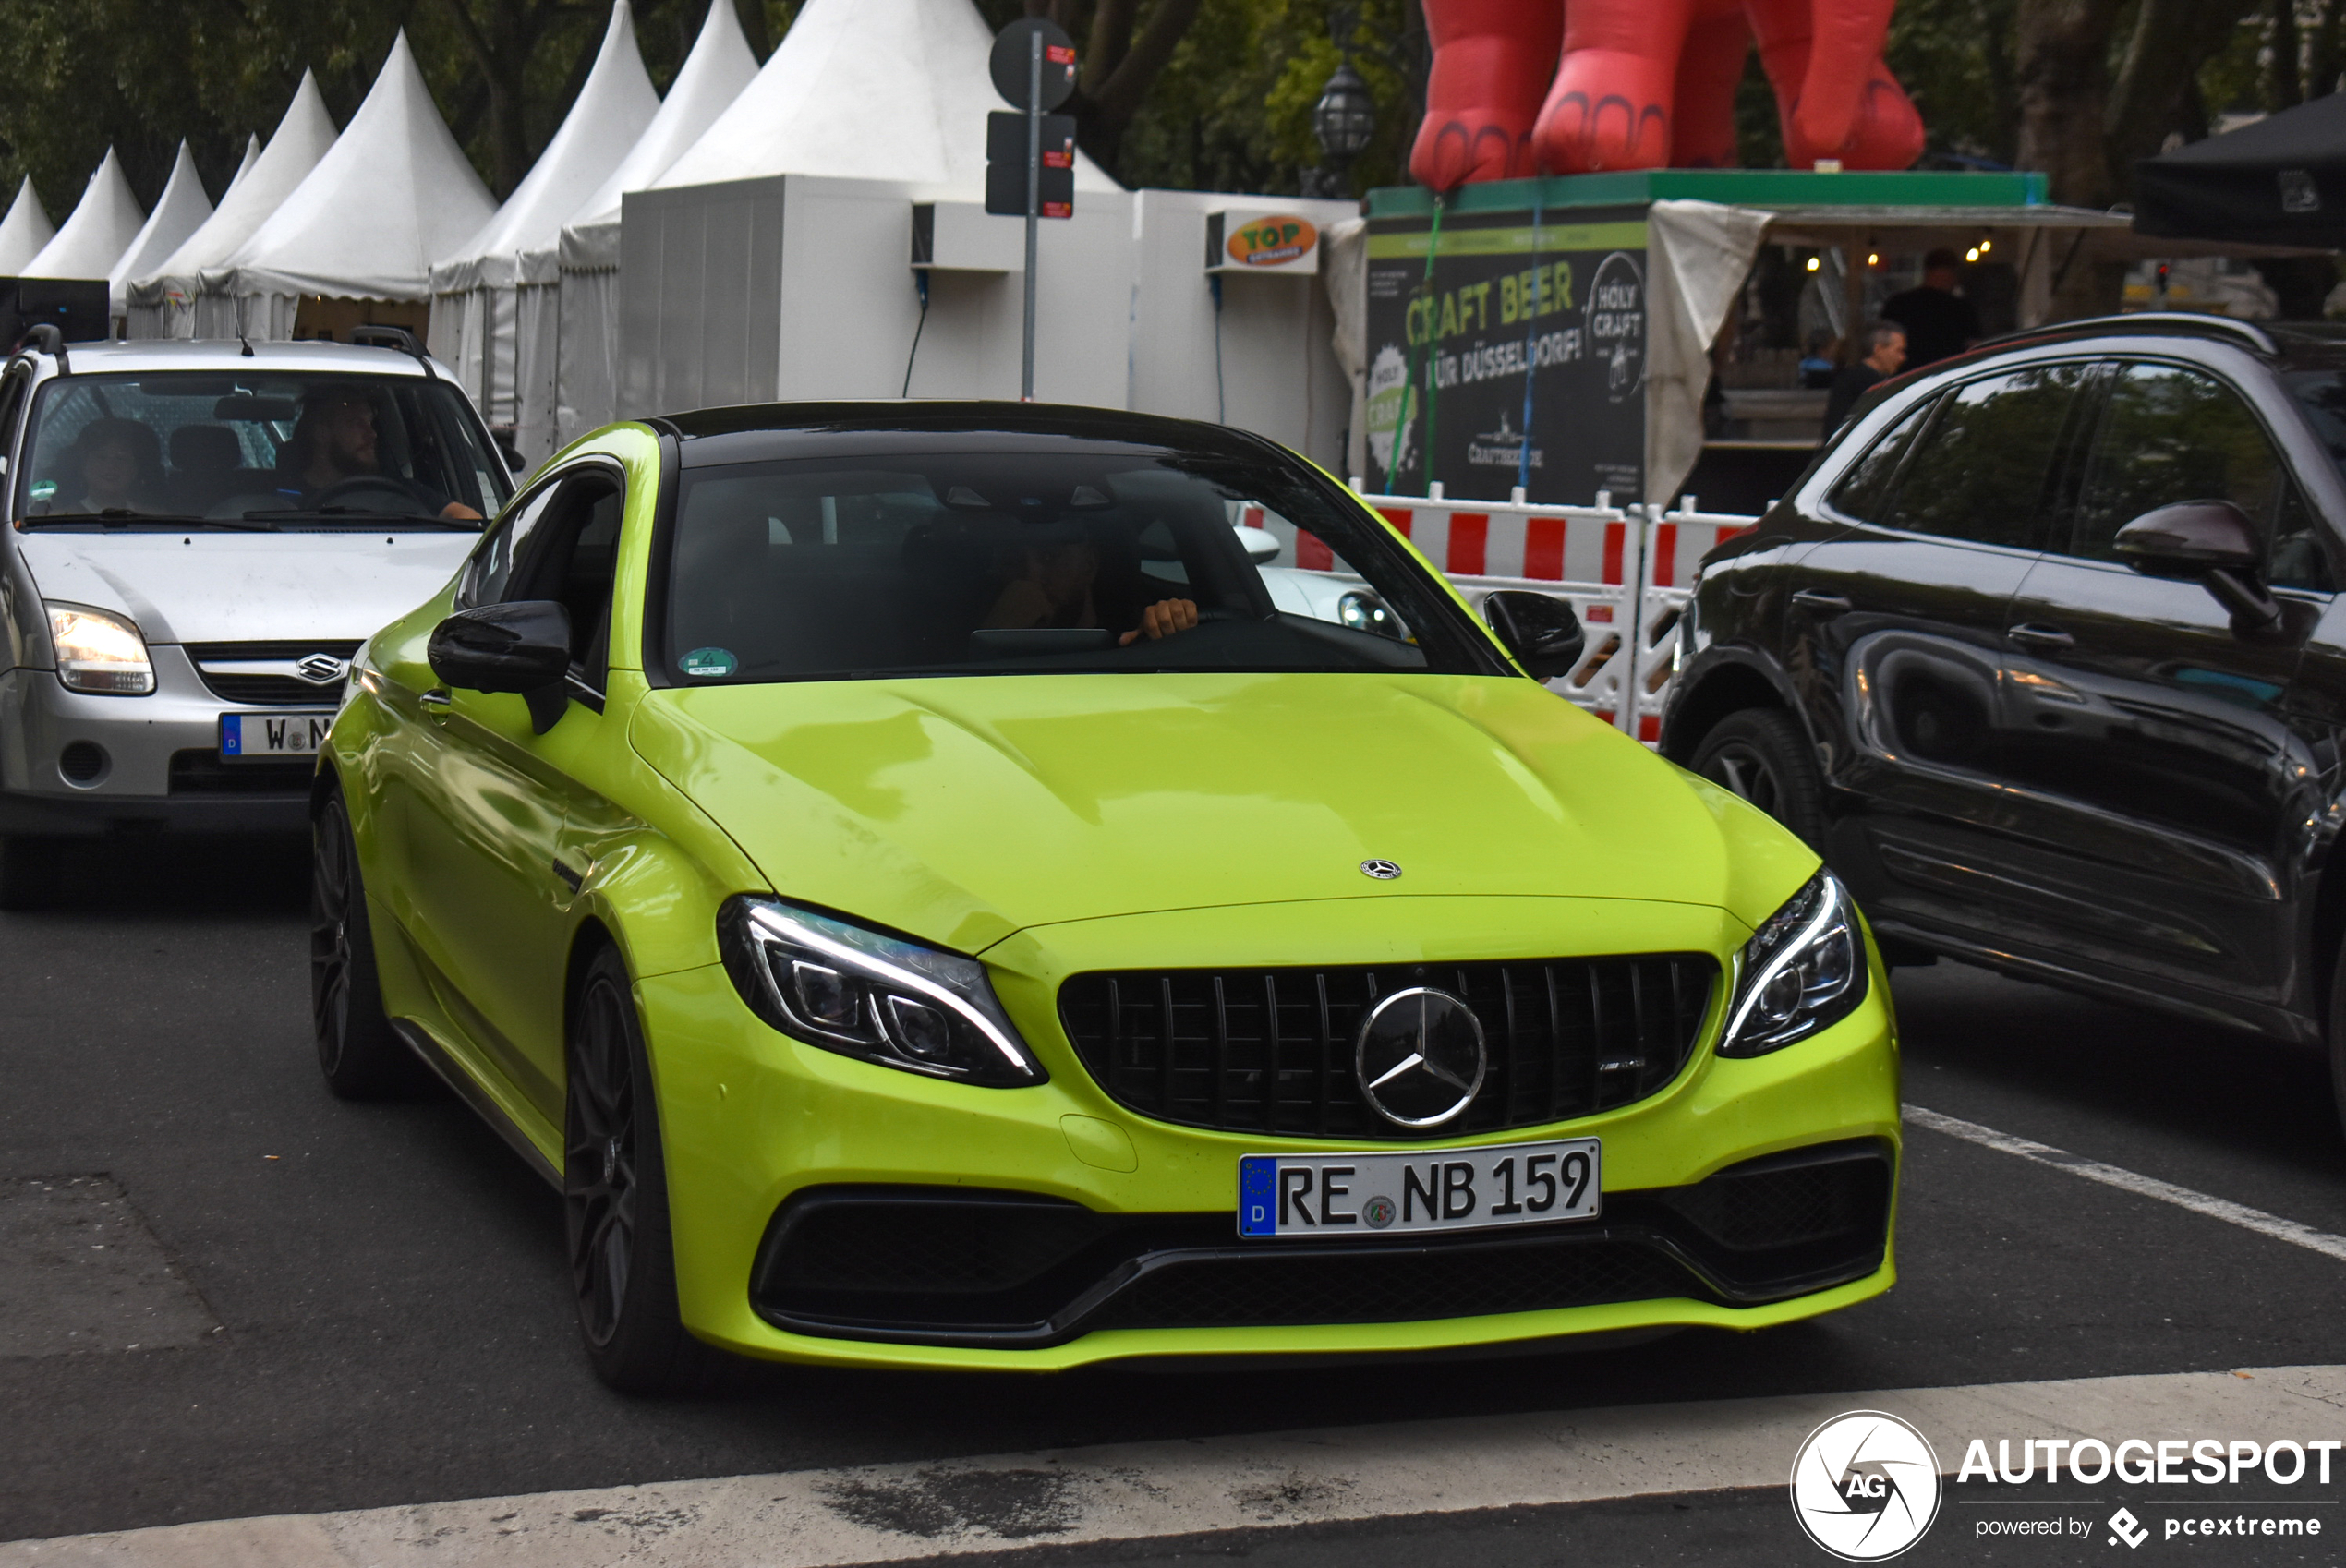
1834	918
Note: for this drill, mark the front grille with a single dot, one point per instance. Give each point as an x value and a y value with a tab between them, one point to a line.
1271	1050
1450	1282
202	773
266	689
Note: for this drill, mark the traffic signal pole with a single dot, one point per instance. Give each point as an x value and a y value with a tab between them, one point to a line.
1034	198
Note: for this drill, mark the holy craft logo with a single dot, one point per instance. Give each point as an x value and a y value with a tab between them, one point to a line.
1865	1486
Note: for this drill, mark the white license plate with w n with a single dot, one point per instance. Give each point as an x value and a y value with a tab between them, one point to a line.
245	735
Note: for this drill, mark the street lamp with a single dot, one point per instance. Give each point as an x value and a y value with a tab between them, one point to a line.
1343	120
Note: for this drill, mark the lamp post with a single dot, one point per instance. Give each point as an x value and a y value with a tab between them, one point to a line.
1343	120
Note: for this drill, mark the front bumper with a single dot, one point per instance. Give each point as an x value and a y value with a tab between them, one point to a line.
158	765
1138	1256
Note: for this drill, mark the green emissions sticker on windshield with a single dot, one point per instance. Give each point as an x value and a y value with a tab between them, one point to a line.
709	661
44	489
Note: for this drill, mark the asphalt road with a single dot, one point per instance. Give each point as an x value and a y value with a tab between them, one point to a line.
391	1300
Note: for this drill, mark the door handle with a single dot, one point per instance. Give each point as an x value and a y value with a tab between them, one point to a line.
436	703
2030	634
1823	603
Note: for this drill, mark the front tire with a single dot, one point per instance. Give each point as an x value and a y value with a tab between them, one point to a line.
362	1056
615	1198
1761	755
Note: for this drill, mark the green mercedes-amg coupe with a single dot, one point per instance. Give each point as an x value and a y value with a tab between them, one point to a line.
914	880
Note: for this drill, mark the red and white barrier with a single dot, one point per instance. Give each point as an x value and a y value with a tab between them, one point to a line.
1626	572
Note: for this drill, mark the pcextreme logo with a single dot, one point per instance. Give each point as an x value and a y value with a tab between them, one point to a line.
1865	1486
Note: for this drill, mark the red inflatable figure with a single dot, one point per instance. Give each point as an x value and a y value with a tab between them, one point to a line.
1650	84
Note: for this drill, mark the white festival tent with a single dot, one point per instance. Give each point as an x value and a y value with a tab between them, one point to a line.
24	230
474	292
170	301
392	196
180	212
566	326
101	229
252	156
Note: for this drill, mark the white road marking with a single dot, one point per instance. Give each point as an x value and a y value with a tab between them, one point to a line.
2129	1181
951	1508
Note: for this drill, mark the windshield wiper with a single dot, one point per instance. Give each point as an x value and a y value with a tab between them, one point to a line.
122	517
367	514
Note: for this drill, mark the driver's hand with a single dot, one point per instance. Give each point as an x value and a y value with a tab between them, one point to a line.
1162	620
458	509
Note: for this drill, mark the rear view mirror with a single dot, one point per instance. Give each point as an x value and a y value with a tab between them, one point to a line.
2214	542
523	647
244	408
1542	633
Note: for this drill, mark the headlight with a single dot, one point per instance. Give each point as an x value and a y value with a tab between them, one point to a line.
881	998
1363	611
99	652
1805	969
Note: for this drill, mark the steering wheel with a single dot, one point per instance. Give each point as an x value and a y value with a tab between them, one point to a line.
370	492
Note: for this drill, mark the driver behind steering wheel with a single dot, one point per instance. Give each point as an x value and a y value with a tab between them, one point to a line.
334	443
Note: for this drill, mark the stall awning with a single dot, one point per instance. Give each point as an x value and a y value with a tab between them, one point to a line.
2279	181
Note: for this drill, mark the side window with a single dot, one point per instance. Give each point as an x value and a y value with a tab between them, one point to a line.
1986	470
2170	434
491	566
573	560
2299	560
1864	491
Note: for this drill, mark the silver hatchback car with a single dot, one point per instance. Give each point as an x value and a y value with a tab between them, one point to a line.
199	535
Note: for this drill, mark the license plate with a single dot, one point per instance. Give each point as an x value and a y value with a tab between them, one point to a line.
244	736
1448	1189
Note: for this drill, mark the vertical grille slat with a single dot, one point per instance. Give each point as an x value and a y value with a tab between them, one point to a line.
1566	1038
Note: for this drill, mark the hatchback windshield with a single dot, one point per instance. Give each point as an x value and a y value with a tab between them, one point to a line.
256	450
1080	558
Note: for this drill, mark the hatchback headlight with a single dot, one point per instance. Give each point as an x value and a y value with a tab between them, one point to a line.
1804	970
881	998
100	651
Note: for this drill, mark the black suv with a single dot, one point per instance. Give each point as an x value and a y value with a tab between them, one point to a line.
2042	655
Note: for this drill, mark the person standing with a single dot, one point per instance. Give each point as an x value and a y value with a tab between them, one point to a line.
1885	354
1940	323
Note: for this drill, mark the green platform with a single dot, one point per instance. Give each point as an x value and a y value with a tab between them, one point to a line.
1773	189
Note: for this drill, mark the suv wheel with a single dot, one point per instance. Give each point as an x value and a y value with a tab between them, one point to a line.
1760	754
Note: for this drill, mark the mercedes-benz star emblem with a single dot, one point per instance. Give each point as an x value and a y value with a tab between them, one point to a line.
1420	1056
1383	871
318	669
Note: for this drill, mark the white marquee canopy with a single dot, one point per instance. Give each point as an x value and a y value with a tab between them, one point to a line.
24	232
101	229
180	212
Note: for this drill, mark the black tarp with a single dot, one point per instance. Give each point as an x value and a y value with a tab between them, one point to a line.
76	307
2280	181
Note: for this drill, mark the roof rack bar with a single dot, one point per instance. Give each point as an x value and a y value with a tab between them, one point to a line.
2249	332
45	337
398	338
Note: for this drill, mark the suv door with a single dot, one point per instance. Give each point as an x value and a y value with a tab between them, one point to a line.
2164	795
1894	631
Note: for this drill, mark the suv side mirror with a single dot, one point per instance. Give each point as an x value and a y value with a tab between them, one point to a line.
1542	633
2212	540
523	647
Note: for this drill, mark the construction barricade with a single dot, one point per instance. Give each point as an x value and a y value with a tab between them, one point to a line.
1625	570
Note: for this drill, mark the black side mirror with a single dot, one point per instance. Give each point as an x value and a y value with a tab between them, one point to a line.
2212	540
523	647
1542	633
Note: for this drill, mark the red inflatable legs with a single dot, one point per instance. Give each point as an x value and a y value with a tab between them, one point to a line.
1492	62
1710	70
1834	96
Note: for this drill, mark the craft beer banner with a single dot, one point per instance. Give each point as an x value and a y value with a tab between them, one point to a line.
1448	355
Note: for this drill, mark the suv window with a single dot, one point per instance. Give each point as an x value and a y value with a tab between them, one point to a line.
2172	434
1864	491
1986	465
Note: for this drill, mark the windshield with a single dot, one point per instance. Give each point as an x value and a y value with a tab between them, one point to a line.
256	450
1077	557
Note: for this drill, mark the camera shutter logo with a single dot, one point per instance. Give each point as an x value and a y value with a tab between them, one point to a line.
1865	1486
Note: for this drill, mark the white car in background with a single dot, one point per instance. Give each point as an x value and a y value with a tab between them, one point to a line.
199	535
1322	596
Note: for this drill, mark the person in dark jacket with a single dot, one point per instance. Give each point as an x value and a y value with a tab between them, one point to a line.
1885	354
1940	323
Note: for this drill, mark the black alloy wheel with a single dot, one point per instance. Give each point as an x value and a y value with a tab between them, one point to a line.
1760	754
360	1055
615	1198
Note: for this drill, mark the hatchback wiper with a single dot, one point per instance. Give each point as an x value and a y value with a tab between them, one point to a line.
365	514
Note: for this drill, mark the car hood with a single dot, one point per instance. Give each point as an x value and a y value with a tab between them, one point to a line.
222	587
963	810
